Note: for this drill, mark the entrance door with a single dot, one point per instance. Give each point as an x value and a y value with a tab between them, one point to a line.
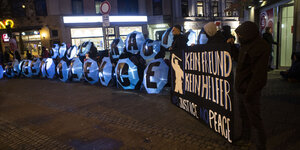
286	39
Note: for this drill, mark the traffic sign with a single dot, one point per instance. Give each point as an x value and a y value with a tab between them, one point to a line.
105	22
105	7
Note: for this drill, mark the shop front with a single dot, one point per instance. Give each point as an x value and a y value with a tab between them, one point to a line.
31	42
89	28
280	17
157	30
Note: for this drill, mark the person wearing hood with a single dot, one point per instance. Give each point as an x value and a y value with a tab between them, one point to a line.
179	41
213	35
251	77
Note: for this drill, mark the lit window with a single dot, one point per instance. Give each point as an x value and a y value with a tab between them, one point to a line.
200	10
97	6
215	8
124	31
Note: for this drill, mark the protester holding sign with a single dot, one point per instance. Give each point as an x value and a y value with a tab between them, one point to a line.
213	35
179	41
251	77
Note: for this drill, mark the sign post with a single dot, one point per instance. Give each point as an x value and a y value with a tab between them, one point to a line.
105	9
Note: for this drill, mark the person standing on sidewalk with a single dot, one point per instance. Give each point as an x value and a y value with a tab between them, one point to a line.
251	76
179	41
269	38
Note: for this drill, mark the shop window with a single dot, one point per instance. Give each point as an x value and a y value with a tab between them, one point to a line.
17	9
184	8
40	7
95	35
124	31
77	6
111	35
97	5
200	9
215	8
128	7
157	7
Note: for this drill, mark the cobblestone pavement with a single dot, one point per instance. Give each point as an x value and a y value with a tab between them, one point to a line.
48	114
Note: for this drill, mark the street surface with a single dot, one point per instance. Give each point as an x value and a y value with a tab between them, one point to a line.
49	114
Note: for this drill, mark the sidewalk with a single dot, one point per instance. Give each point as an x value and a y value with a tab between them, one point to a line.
48	114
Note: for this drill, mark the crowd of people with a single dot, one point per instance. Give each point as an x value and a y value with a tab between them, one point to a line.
254	58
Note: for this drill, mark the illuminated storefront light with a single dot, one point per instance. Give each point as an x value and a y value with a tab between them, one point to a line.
95	19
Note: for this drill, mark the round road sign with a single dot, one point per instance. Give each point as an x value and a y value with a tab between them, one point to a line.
105	7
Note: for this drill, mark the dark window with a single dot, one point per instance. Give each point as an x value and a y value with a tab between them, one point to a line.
215	8
54	33
97	5
17	9
77	6
128	7
184	8
40	7
200	8
157	7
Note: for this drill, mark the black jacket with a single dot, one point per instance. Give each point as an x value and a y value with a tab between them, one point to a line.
179	44
252	60
269	38
217	38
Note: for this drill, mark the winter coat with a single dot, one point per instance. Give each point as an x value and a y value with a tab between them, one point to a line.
252	60
269	38
217	38
179	44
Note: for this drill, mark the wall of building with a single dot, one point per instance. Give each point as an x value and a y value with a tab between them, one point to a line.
297	24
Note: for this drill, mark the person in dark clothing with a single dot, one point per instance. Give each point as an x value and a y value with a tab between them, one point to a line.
179	41
293	74
10	55
227	33
251	77
28	55
213	35
269	38
45	53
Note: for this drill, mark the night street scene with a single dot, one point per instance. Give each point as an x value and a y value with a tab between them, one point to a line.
150	74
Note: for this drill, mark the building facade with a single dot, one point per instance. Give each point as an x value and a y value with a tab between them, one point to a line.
283	17
194	14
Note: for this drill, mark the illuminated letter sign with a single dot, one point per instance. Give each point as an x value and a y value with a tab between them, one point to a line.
5	23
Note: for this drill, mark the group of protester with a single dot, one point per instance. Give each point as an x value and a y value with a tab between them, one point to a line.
252	58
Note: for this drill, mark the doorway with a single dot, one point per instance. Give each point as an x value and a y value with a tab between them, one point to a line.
286	36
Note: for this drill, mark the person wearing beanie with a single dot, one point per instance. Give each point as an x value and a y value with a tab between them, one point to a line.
251	76
179	41
213	35
210	29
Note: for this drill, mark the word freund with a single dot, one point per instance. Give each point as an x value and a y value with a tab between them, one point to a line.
212	62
